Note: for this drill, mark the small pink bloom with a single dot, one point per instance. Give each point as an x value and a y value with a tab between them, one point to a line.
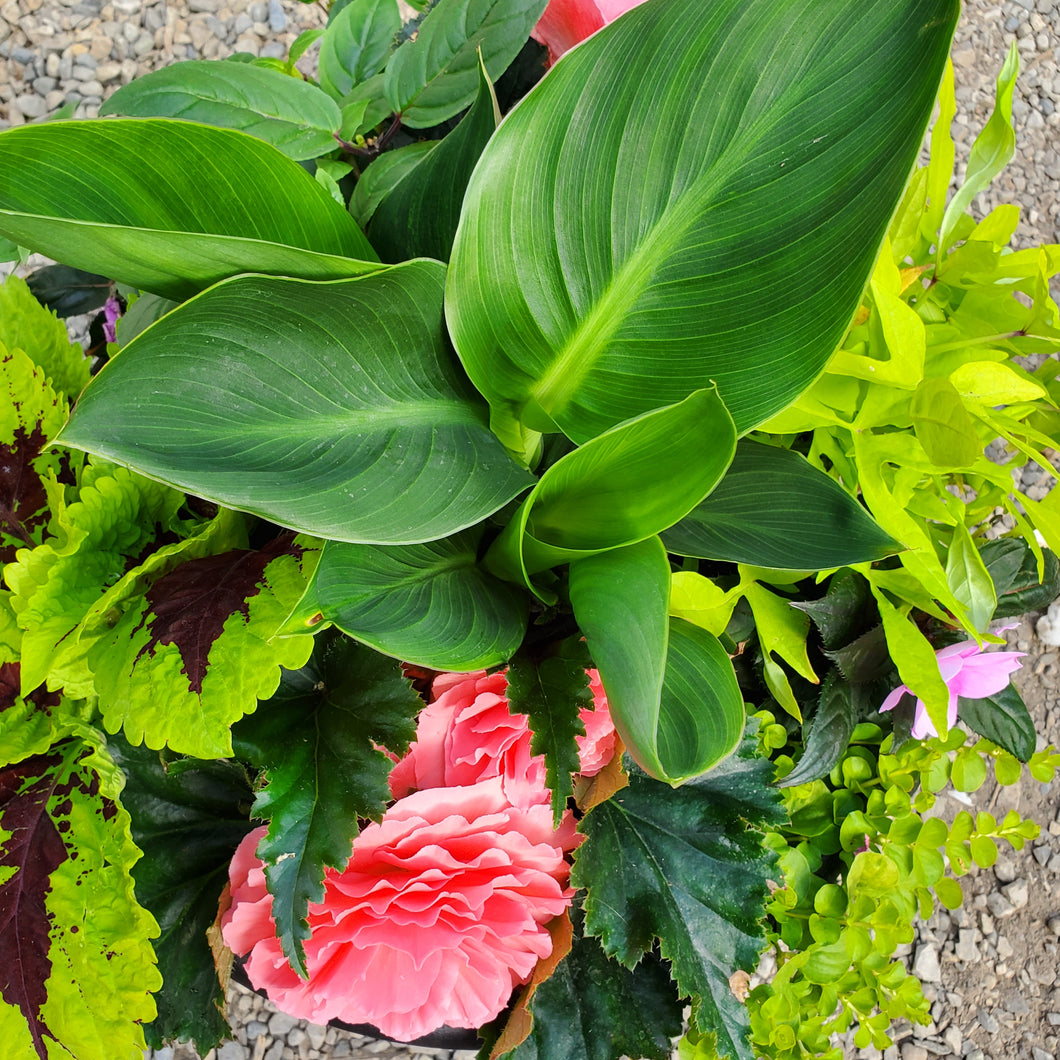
568	22
440	913
468	734
968	671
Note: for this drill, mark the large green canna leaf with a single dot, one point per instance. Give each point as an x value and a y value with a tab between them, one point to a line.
774	509
334	408
294	116
171	206
429	604
668	209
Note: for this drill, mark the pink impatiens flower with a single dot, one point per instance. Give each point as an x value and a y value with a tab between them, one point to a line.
439	915
568	22
968	671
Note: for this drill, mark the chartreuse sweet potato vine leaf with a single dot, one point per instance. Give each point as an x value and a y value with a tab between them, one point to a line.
333	408
592	1009
550	692
429	604
78	968
434	75
195	652
287	112
26	325
621	487
176	207
774	509
31	413
318	743
768	163
187	816
689	870
670	685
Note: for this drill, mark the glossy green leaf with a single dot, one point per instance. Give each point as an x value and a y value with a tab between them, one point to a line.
969	579
418	217
318	741
187	816
689	869
333	408
435	75
760	170
356	44
171	206
621	487
1003	718
620	600
943	425
591	1008
429	604
287	112
383	175
1014	571
774	509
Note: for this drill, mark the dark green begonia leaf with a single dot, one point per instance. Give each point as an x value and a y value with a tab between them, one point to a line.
418	217
719	227
188	816
434	76
333	408
1013	568
67	292
171	206
317	741
1003	718
430	604
844	612
550	692
688	868
591	1008
291	114
356	44
774	509
828	733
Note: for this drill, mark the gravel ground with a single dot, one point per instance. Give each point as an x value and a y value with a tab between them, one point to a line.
991	968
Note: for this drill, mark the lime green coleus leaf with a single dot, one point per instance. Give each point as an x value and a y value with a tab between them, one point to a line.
171	206
336	409
689	870
31	414
291	114
430	604
670	685
187	816
26	325
195	652
774	509
769	156
78	969
99	539
318	741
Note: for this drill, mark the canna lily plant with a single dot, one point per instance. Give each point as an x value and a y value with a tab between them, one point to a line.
439	364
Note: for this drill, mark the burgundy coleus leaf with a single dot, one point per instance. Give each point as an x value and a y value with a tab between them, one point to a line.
189	606
23	502
34	851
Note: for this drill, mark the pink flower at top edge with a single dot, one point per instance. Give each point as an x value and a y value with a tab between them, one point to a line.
968	671
468	734
440	913
568	22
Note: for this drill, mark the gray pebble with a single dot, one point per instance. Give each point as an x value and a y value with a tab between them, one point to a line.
31	106
987	1022
913	1051
1041	1054
280	1024
231	1051
277	17
926	964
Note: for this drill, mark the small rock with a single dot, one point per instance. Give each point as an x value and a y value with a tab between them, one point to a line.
999	905
280	1024
1017	893
274	1052
1041	1054
1005	868
1053	924
296	1037
277	17
954	1039
987	1022
1053	1018
231	1051
256	1029
1017	1006
912	1051
316	1034
926	965
966	949
30	105
1004	948
1043	853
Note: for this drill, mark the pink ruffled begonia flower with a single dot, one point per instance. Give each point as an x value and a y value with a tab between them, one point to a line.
443	908
968	671
439	915
568	22
468	734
